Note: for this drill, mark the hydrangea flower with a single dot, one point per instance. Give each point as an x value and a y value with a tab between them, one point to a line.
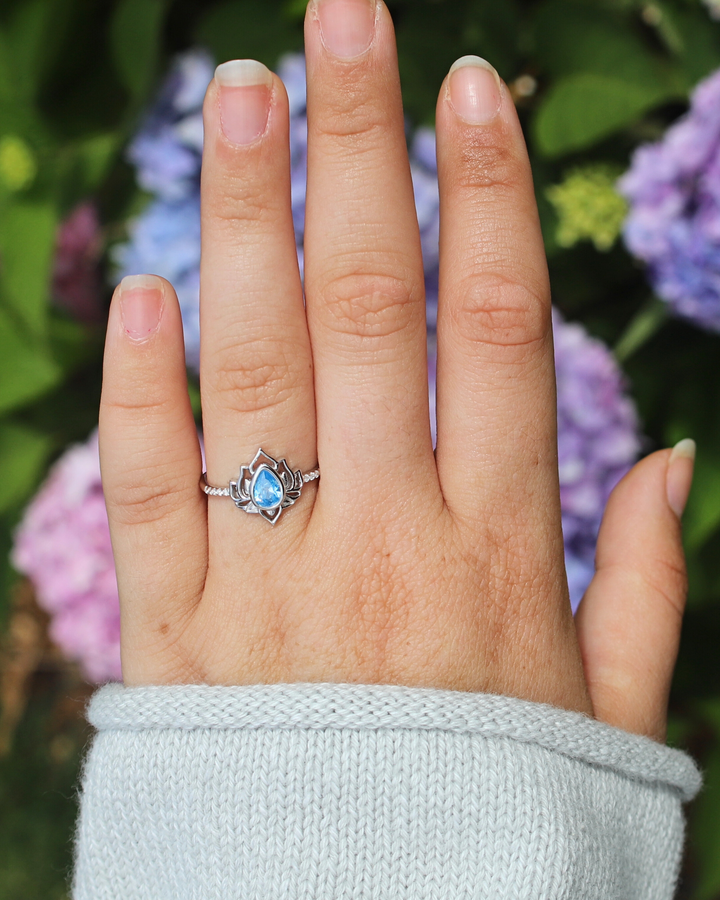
598	442
75	278
165	240
63	545
588	207
167	150
673	187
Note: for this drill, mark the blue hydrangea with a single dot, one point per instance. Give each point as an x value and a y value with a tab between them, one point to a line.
598	428
165	240
167	150
598	442
673	187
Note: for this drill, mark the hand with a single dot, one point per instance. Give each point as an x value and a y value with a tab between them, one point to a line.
399	566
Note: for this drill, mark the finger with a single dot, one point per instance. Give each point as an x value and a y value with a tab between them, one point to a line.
363	262
629	620
256	366
496	422
150	460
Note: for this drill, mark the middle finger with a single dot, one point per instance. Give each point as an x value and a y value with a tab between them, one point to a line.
363	264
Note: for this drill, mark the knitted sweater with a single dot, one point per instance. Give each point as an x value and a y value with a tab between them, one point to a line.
361	792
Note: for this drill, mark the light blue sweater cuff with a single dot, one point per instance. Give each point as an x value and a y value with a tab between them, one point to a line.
340	791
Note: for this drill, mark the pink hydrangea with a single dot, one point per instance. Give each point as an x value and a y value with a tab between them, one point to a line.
63	546
76	278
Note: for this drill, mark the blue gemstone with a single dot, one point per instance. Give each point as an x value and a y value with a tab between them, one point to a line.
267	490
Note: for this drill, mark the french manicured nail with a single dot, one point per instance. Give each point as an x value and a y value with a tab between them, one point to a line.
347	26
475	92
141	305
680	475
244	86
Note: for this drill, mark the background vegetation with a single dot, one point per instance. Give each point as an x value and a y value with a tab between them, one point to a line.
592	78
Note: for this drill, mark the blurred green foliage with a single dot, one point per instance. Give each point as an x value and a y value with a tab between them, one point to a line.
593	78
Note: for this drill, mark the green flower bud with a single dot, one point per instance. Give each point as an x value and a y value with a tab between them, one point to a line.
18	166
588	206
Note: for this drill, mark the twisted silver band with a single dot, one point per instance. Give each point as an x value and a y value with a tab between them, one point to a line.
266	487
225	492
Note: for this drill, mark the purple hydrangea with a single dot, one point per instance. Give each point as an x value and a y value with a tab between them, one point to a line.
167	154
598	442
63	545
423	168
673	187
165	240
167	150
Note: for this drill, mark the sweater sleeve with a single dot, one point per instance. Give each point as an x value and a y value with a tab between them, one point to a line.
353	792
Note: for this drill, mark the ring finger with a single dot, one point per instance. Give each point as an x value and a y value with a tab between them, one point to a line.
256	364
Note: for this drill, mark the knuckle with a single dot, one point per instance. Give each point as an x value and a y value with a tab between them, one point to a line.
351	113
138	404
256	376
151	494
242	197
353	128
370	305
141	406
491	162
668	580
500	311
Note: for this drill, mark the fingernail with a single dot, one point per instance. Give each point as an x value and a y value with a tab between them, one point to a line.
244	88
680	475
141	305
347	27
475	92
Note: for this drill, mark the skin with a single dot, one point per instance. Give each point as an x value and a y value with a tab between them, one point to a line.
400	565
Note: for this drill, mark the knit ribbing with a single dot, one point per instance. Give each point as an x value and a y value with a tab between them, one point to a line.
338	791
373	707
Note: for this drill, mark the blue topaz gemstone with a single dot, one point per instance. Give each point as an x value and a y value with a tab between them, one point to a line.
267	490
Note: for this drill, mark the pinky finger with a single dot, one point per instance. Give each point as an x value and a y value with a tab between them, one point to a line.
630	618
151	463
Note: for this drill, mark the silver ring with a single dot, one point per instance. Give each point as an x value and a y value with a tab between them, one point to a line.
266	487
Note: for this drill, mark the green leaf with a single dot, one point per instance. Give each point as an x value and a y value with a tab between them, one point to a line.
23	454
491	30
697	39
27	244
195	401
6	80
249	28
581	109
72	344
27	370
135	34
429	41
25	33
34	33
295	9
572	37
96	154
702	516
85	164
643	326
